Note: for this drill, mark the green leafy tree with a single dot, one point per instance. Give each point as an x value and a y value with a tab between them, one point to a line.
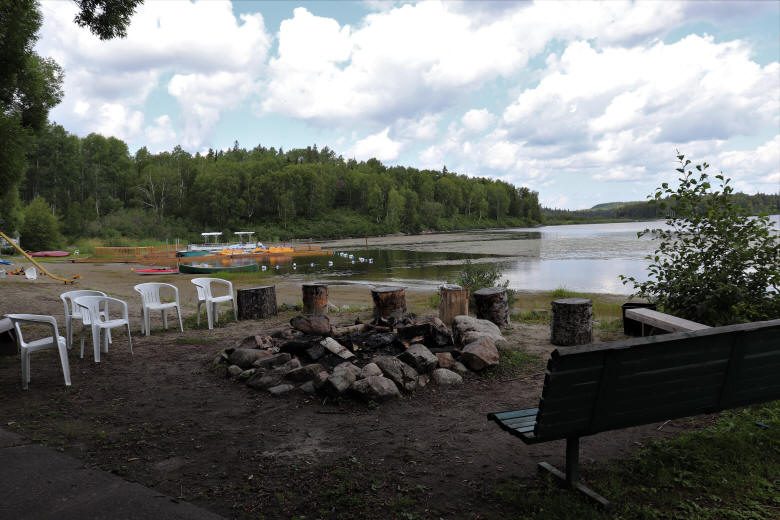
30	85
41	229
713	264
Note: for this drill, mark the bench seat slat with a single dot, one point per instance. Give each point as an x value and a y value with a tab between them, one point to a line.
523	430
521	422
503	416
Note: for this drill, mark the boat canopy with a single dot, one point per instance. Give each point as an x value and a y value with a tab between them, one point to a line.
211	234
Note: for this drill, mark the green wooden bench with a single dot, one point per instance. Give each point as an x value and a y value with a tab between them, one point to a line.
599	387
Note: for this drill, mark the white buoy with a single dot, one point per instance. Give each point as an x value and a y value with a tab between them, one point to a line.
311	264
330	263
263	268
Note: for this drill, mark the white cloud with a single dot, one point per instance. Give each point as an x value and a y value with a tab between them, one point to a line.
477	120
201	41
754	170
418	58
160	135
423	128
379	146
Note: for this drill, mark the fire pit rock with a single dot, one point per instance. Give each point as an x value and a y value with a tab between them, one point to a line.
480	354
419	357
399	372
375	388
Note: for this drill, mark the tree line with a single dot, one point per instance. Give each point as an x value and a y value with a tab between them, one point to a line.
97	188
757	204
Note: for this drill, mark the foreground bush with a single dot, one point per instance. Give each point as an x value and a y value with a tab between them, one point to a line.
714	264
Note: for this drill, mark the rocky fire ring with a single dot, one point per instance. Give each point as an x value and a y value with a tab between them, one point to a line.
373	361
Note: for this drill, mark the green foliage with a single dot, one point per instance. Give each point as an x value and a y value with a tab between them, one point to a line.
30	85
478	276
40	229
756	204
106	19
713	264
304	193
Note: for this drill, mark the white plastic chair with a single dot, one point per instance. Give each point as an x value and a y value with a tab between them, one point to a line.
72	311
26	348
150	301
203	285
100	319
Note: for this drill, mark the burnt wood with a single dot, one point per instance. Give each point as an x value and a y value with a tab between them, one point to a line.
492	304
389	302
607	386
256	303
315	298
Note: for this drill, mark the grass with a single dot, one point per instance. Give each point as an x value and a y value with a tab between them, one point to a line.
729	470
535	307
514	363
191	321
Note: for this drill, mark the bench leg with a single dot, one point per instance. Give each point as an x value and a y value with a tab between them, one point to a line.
571	479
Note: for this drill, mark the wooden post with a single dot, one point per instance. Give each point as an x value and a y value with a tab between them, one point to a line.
571	322
453	301
492	304
315	298
389	302
256	303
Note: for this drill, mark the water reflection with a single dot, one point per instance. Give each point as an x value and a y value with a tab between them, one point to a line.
587	257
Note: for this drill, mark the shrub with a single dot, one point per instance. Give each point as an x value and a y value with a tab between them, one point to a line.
713	264
477	276
41	229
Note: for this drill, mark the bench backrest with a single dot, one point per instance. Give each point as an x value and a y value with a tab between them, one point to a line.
599	387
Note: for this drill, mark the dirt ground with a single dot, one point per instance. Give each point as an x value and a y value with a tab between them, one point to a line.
161	418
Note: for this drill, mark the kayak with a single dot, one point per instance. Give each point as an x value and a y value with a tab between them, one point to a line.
157	270
5	262
49	253
207	269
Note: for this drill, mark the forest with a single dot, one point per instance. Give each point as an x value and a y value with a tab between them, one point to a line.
757	204
96	188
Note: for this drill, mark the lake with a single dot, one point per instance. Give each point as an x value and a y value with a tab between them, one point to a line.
584	257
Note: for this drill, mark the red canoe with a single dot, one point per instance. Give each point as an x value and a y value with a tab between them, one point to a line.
158	270
50	253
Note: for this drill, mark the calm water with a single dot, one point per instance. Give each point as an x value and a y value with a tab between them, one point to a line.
587	257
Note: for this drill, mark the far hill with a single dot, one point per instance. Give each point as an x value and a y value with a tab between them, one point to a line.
760	203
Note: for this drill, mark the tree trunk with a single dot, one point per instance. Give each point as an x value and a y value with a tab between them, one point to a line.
256	303
389	302
453	301
571	322
315	298
492	304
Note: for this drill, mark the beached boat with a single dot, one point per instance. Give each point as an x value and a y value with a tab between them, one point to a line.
49	253
206	269
186	254
158	270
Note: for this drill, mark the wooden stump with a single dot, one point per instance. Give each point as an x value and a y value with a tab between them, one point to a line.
389	302
256	303
571	322
492	304
453	301
315	298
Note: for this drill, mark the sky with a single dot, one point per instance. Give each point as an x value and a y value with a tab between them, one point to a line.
583	102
